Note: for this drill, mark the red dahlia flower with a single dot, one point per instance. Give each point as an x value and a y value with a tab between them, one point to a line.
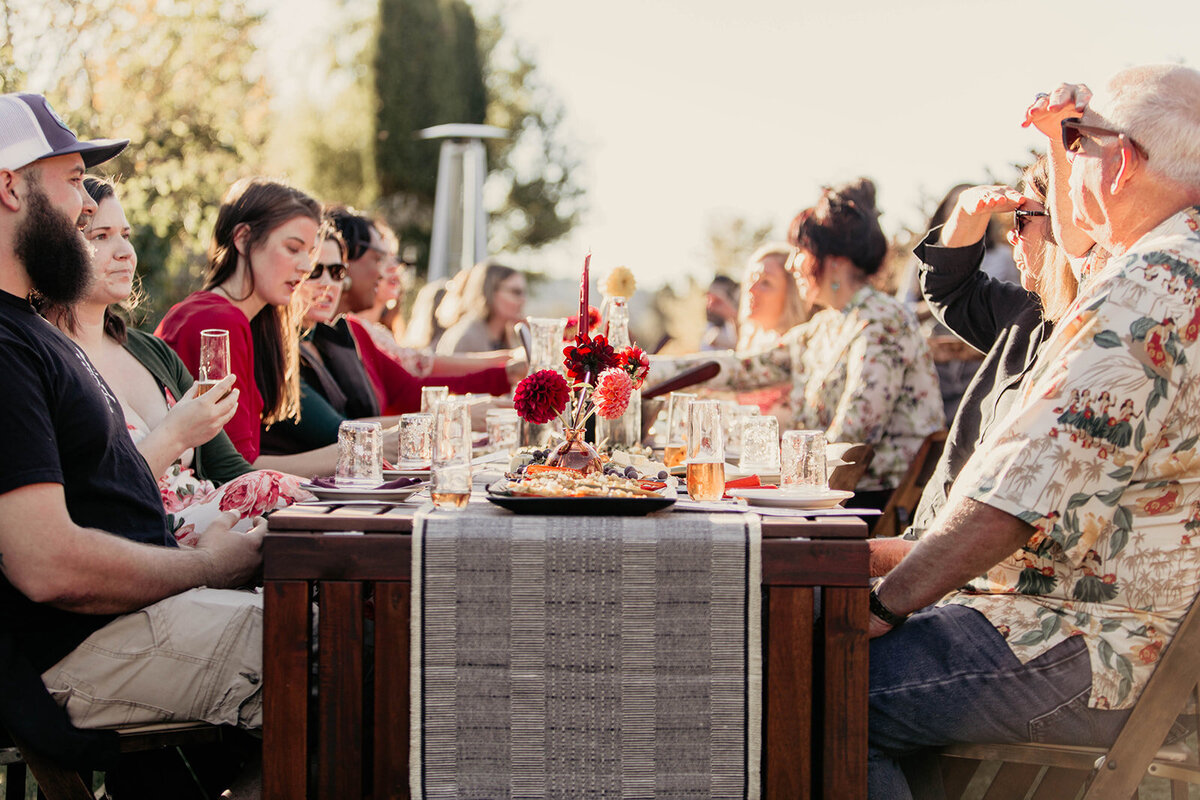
541	397
587	358
634	360
612	393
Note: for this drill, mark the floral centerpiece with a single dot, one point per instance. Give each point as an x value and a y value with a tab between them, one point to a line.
599	380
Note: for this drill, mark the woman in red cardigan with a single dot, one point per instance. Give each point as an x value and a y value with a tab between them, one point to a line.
261	251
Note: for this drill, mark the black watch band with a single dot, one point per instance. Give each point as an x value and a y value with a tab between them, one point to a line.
883	612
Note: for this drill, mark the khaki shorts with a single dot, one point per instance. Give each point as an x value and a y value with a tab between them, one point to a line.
194	656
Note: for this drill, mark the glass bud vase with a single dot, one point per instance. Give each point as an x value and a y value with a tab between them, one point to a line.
575	453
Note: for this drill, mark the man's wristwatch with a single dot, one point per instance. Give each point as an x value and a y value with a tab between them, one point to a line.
883	612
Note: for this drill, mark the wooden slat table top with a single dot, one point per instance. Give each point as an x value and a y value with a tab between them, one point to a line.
398	519
357	543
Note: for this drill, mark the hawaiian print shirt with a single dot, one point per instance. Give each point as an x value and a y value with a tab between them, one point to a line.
1099	456
862	373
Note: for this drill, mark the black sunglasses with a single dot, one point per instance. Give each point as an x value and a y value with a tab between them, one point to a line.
1021	216
337	271
1073	131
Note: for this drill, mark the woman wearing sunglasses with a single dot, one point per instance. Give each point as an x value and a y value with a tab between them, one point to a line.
323	403
177	430
1006	322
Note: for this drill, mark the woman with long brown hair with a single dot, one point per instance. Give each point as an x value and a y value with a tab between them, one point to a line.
261	250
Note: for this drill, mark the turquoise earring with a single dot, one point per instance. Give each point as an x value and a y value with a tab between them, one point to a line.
835	286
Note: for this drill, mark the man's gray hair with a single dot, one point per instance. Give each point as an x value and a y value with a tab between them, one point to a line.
1159	106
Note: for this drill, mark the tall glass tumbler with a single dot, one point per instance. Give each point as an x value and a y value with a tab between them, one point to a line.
803	461
214	359
431	396
360	455
705	451
546	342
677	428
451	472
503	430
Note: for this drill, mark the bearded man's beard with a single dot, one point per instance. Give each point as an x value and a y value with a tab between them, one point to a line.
53	251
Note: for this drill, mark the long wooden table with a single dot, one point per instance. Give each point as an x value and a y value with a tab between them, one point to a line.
354	562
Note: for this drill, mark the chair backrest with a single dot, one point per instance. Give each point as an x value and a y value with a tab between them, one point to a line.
845	477
906	496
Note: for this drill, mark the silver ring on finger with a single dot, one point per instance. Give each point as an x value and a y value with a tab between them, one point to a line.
1040	95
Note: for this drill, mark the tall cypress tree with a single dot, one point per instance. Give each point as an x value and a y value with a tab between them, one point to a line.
427	72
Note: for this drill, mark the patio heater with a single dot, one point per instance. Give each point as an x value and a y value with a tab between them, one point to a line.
459	237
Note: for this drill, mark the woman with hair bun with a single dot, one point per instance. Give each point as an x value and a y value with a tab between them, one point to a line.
859	369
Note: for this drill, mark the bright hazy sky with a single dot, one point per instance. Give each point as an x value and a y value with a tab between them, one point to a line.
683	111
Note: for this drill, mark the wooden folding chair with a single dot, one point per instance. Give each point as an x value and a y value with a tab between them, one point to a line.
903	502
60	783
1059	772
845	477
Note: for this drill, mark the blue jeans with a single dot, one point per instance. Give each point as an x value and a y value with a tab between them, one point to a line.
947	676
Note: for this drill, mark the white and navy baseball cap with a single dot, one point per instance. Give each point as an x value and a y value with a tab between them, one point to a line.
31	131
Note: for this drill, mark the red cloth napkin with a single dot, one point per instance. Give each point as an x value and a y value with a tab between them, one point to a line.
749	482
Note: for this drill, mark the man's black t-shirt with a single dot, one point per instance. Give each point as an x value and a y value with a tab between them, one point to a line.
62	424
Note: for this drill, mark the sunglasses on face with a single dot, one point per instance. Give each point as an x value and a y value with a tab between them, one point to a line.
337	271
1073	132
1021	216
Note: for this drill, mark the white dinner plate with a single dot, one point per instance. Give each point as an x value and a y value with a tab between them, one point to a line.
788	498
385	495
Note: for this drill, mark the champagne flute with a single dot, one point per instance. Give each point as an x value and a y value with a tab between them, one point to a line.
451	471
214	359
706	451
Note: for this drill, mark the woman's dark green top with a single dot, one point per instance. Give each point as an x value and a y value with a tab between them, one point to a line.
217	460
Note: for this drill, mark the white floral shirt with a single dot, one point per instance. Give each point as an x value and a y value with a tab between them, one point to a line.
862	373
1099	455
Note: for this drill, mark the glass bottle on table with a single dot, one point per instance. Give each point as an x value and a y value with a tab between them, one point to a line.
705	451
626	430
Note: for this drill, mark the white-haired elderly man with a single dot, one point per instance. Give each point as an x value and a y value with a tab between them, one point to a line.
1071	526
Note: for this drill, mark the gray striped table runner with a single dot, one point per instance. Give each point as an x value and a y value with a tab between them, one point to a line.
578	657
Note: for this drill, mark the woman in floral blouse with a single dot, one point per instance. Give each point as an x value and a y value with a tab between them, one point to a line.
860	369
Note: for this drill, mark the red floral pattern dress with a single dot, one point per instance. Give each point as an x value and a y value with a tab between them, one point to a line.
192	504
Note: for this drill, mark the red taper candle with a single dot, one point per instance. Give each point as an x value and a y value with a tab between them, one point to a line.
584	327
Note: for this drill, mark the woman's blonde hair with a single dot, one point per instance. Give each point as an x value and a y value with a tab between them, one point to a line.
1056	283
794	311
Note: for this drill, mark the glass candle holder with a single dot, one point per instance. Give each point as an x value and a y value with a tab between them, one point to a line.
360	455
803	460
503	430
760	444
416	441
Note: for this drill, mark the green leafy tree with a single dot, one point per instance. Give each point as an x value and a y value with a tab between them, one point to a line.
176	79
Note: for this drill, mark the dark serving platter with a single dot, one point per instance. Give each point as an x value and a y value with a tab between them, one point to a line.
579	506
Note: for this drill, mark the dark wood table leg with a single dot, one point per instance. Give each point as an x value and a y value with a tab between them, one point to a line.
844	739
392	604
787	769
286	647
340	690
